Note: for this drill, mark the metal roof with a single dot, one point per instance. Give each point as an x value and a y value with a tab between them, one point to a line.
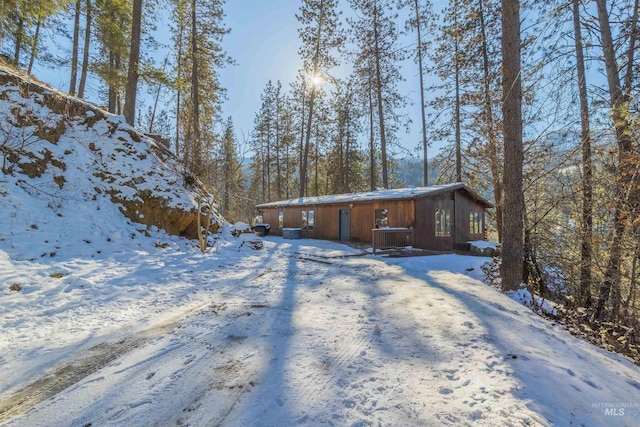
370	196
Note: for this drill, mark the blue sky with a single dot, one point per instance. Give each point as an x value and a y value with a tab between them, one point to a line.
264	43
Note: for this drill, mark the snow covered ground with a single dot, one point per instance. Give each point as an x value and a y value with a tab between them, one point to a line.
148	331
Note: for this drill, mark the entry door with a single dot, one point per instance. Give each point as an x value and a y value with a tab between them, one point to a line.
345	225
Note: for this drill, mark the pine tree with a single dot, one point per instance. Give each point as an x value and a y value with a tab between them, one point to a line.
74	47
344	164
112	27
24	21
421	20
134	63
376	36
85	53
321	36
263	137
198	31
231	176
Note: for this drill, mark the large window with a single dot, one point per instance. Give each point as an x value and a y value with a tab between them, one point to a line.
381	218
308	219
475	222
443	222
280	219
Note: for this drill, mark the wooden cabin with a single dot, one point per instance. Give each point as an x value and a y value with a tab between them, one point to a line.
439	217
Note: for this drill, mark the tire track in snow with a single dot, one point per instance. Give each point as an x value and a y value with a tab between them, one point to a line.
89	362
84	365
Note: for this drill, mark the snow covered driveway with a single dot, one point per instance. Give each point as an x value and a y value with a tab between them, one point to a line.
297	333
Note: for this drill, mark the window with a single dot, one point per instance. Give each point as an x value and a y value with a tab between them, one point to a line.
308	219
475	222
381	218
443	222
280	219
311	217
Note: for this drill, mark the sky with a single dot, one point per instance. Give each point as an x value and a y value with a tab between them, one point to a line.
264	43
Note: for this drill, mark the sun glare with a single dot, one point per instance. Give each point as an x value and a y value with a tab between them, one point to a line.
317	80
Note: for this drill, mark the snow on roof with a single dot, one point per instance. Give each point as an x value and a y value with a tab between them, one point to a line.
394	194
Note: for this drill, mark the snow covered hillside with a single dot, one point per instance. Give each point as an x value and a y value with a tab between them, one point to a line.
67	166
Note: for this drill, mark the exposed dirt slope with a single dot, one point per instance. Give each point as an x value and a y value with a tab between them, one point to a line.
56	147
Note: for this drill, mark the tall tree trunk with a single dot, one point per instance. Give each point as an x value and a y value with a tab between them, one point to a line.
278	154
34	45
85	53
268	160
628	78
195	95
287	172
303	89
179	67
584	289
307	144
133	73
312	98
263	186
373	173
317	155
425	158
494	156
118	88
340	140
18	43
610	286
383	139
1	21
111	106
512	247
74	49
456	59
347	150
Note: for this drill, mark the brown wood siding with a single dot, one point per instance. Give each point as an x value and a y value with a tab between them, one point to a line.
464	206
425	236
326	223
400	213
270	216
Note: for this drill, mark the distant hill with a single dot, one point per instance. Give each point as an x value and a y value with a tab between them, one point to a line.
410	171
